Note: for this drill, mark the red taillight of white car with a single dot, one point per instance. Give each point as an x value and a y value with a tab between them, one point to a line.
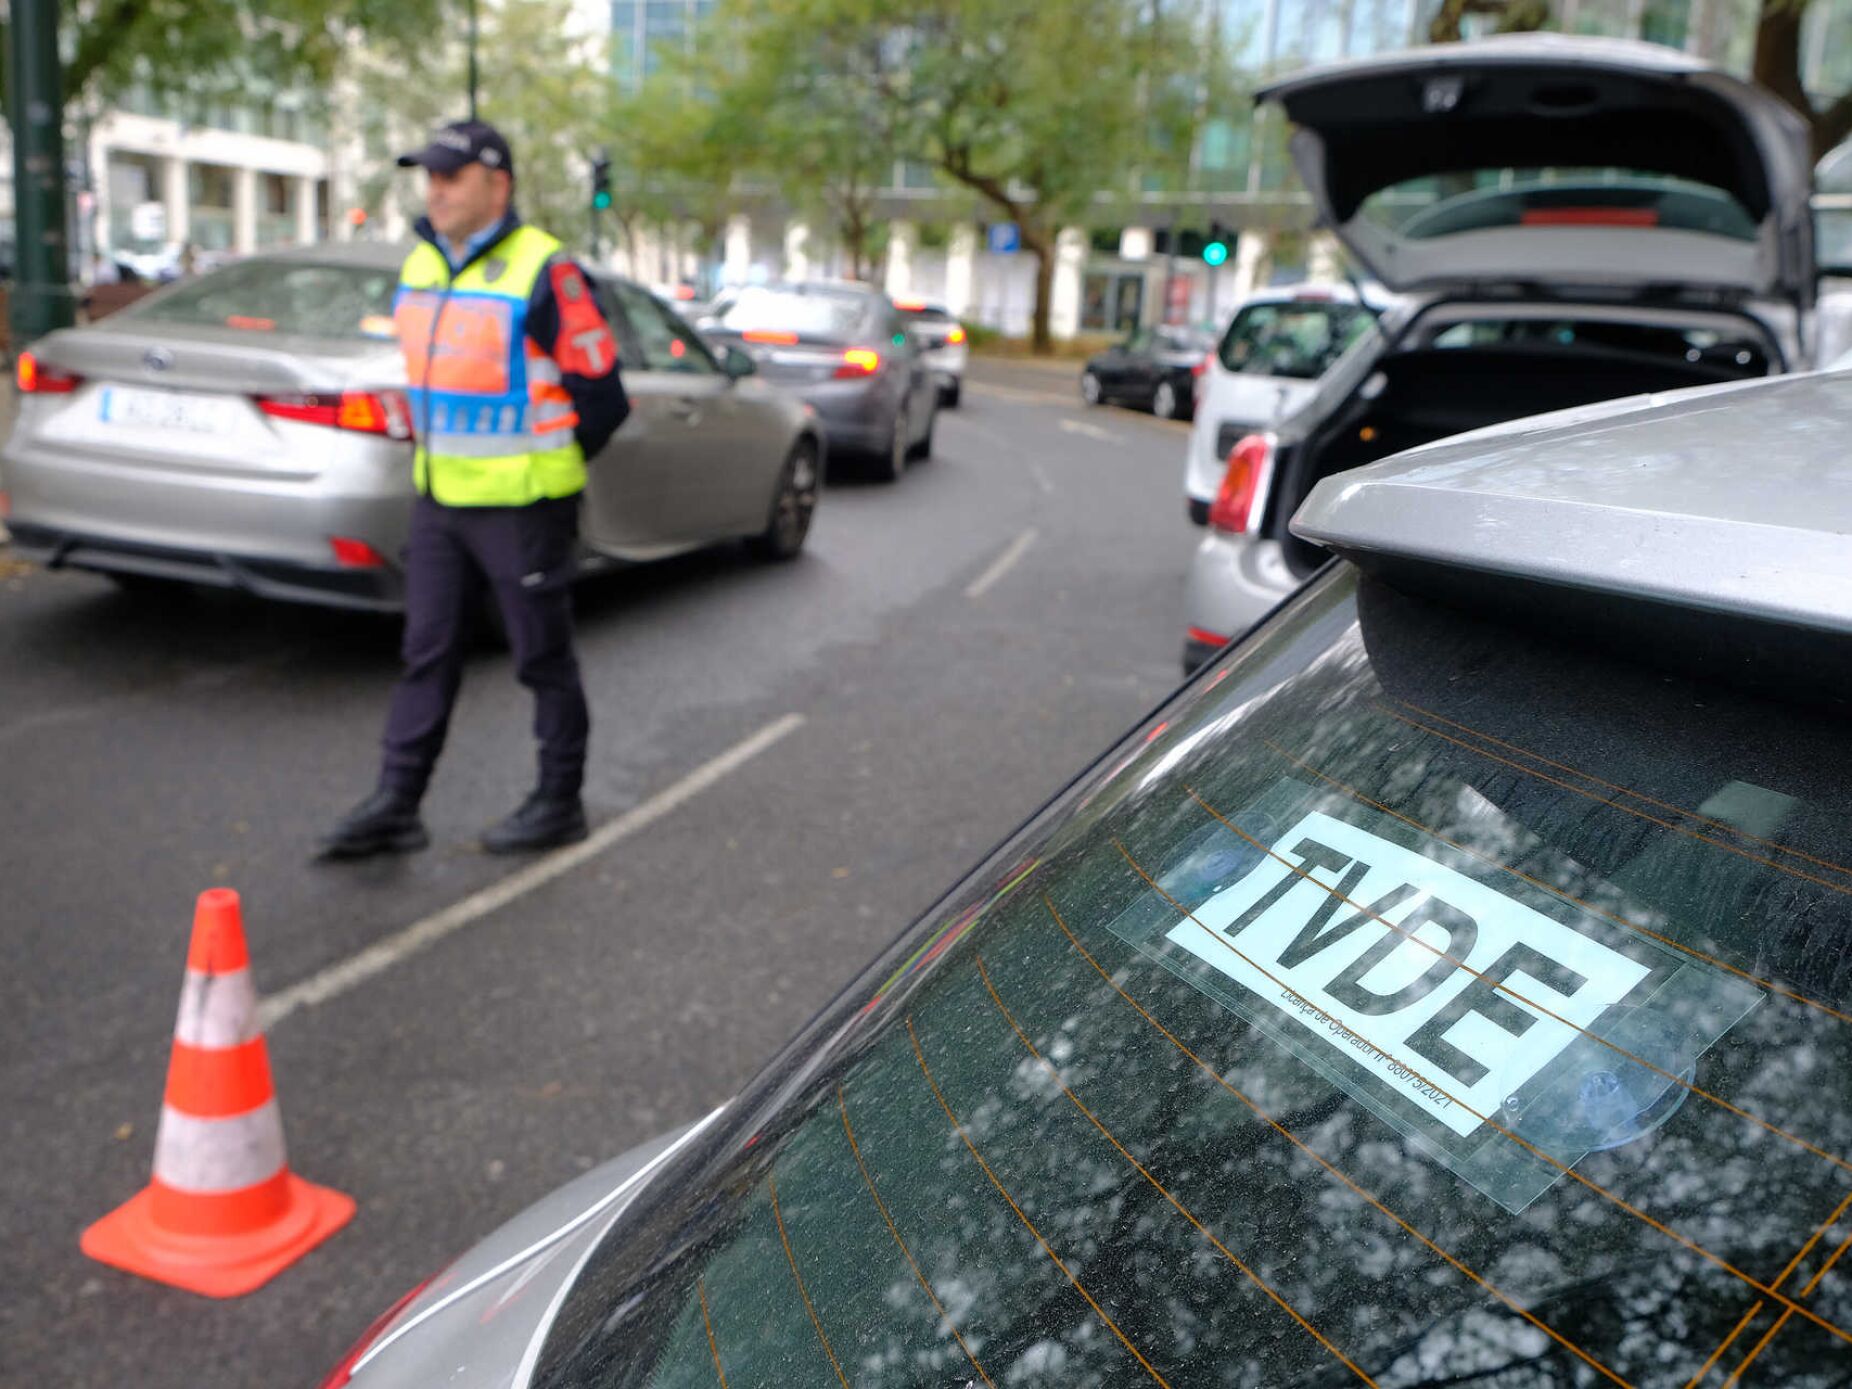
1243	493
859	362
33	377
342	1374
365	412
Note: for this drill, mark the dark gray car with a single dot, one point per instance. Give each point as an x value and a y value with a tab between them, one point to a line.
846	350
248	429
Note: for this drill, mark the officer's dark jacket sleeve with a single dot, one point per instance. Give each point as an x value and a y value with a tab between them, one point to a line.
564	318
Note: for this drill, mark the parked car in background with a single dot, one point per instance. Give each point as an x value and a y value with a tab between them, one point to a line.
1656	235
1434	992
942	342
248	429
845	350
1154	369
1263	367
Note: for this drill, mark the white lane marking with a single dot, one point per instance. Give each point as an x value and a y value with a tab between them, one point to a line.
1041	478
1092	431
1002	564
591	1212
382	955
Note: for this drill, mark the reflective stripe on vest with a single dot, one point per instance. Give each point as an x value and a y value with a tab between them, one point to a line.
494	422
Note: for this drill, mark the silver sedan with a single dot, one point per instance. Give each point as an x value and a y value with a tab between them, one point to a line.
248	429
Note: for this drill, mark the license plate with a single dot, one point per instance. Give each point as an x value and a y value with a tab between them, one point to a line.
142	409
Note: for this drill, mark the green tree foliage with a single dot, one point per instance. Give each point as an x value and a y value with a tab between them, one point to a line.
221	45
1032	109
547	90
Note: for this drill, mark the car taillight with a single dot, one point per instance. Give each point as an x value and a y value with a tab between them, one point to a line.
859	361
1250	462
769	335
355	554
35	378
366	412
1202	365
956	336
343	1373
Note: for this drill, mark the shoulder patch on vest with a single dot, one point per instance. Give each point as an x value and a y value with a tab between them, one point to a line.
585	346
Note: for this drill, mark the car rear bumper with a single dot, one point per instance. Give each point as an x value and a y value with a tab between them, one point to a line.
854	414
1233	582
367	589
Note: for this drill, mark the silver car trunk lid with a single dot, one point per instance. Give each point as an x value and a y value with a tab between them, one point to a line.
1605	111
179	356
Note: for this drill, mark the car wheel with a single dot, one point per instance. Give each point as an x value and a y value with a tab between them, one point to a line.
893	460
1164	401
952	393
1090	388
792	507
923	449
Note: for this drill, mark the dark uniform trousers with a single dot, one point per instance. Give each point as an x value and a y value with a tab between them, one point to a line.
525	557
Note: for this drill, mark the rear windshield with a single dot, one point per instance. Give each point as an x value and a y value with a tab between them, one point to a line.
1729	351
1448	204
1410	1003
268	296
1298	339
925	315
810	314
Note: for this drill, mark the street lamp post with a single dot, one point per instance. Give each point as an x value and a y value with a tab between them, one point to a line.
42	298
473	34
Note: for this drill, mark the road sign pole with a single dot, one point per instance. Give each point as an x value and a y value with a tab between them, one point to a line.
42	298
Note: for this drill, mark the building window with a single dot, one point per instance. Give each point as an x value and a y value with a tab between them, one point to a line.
211	199
276	217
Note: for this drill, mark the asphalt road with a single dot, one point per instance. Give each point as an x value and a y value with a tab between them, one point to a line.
946	653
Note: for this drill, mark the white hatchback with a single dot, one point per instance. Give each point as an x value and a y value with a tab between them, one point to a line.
1265	366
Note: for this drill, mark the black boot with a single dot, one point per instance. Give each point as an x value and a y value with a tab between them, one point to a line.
386	822
545	820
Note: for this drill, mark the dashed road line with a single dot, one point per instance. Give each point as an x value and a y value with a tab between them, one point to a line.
1002	564
1092	431
382	955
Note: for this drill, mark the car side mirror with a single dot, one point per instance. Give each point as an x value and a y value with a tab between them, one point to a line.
736	363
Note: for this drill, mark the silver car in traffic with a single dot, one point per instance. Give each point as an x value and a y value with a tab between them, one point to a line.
248	429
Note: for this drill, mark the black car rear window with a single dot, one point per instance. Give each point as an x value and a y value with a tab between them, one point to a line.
270	296
818	314
1297	338
1413	1002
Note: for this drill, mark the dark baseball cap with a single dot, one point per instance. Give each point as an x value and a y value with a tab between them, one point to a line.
460	143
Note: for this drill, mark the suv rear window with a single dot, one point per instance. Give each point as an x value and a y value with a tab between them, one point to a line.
1298	339
1413	1002
817	314
1447	205
323	301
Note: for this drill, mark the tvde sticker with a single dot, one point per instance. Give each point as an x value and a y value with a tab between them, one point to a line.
1460	1012
1434	982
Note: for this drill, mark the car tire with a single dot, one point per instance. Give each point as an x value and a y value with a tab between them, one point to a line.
891	462
951	395
1165	402
793	504
1090	389
923	449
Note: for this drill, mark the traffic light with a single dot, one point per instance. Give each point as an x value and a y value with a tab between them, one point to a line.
1215	249
601	181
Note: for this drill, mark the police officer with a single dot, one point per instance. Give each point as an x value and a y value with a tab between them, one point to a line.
513	385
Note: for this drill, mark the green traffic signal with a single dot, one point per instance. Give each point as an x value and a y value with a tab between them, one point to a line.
1215	253
601	199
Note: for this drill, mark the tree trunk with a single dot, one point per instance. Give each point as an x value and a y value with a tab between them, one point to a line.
1042	246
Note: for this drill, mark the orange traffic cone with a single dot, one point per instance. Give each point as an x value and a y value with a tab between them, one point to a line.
224	1214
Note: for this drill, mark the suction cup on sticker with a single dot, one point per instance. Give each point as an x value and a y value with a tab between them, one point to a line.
1610	1096
1216	858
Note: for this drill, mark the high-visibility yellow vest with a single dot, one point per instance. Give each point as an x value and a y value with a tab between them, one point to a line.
493	421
